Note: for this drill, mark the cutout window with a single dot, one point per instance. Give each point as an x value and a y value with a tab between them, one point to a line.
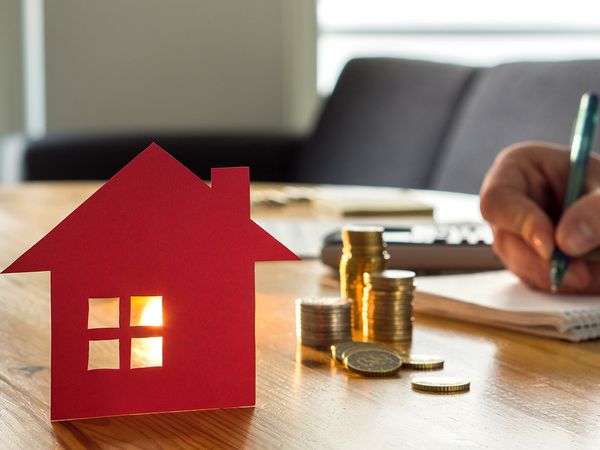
146	311
104	354
103	312
146	352
103	320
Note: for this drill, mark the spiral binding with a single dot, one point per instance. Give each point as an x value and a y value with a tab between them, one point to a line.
583	324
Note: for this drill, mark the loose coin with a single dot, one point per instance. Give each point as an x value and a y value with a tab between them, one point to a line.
359	346
432	383
342	349
422	362
338	348
373	362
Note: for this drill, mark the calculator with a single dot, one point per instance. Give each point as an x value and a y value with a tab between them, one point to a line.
429	248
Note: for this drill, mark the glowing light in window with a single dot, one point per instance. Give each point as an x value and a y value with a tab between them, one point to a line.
146	352
146	311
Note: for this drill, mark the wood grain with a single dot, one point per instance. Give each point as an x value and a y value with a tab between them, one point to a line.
526	392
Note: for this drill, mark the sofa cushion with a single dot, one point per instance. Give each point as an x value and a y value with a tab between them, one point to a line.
507	104
383	123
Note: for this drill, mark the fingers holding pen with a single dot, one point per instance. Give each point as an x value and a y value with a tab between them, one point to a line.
520	258
521	216
534	270
578	230
511	211
516	189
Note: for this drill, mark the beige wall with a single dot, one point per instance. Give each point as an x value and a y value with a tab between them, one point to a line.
11	95
176	64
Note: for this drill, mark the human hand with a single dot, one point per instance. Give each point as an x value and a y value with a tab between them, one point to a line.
522	196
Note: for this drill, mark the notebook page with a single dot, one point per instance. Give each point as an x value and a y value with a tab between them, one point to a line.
498	299
501	290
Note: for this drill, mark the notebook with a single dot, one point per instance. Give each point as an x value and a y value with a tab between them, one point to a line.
499	299
402	205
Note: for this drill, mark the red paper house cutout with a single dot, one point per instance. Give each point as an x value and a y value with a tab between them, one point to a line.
155	229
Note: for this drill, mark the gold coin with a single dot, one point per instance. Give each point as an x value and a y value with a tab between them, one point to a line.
343	349
359	346
432	383
365	235
391	340
373	362
339	348
393	276
326	303
423	362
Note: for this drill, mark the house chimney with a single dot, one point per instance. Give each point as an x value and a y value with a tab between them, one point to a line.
232	184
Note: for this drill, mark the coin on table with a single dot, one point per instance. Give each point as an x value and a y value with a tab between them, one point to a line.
359	346
373	362
440	384
338	348
342	349
422	362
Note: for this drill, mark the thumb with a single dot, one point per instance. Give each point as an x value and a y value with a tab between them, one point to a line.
578	230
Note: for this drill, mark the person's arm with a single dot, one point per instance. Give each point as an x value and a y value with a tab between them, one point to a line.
521	197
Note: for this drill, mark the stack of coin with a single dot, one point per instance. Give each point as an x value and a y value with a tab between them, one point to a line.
322	321
387	302
363	251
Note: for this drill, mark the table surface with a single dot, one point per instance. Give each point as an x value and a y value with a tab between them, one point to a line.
525	391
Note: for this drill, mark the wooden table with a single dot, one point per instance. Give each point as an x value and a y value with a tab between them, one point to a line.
525	392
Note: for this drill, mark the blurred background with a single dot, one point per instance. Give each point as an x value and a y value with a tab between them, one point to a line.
114	67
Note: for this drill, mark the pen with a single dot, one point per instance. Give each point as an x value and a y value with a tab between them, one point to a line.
581	145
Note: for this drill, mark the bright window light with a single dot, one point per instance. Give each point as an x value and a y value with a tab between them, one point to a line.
146	352
146	311
462	32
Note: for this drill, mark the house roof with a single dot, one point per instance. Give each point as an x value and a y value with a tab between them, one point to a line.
155	208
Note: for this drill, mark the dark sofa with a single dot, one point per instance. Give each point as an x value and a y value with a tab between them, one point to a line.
388	122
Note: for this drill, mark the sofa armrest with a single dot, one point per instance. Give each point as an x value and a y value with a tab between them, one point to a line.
87	157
